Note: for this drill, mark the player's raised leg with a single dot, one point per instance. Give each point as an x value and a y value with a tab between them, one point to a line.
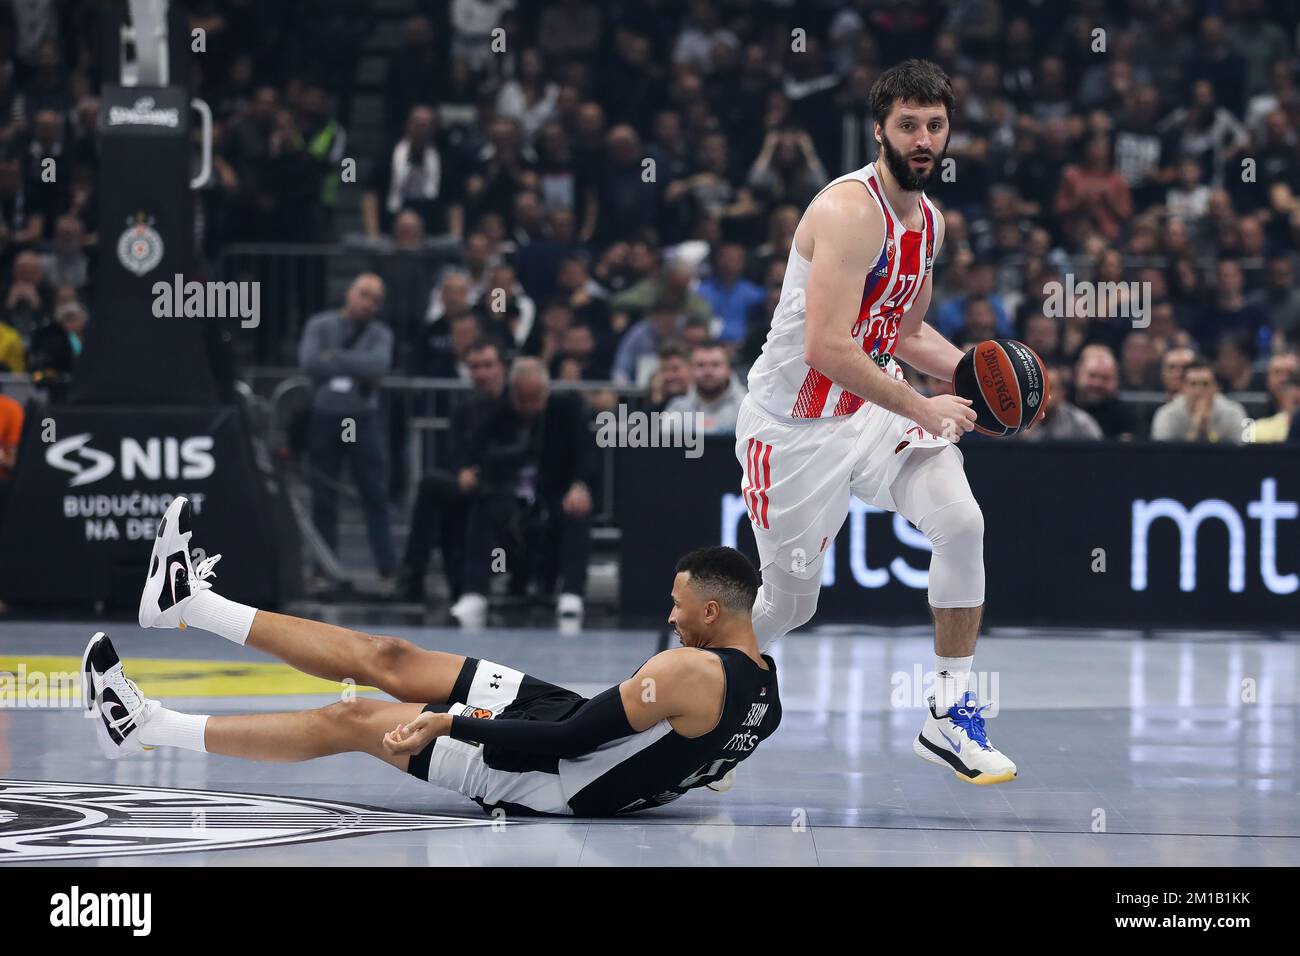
932	492
178	593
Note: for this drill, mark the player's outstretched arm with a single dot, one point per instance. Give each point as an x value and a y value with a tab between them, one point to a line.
676	683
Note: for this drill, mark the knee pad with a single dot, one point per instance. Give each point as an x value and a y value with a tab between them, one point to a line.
956	532
784	603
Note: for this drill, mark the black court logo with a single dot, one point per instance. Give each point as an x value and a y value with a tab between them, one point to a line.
67	821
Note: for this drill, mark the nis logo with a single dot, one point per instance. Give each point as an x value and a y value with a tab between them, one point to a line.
150	459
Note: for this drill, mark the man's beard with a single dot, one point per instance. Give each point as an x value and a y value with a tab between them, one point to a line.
900	166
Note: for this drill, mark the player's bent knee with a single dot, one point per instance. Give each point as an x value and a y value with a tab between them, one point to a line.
387	658
957	526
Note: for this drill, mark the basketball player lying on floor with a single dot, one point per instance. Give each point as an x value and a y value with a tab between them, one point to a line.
498	736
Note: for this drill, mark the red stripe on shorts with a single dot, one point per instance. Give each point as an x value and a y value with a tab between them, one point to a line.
767	483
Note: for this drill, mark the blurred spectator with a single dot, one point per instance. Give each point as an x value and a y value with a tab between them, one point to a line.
1280	299
533	461
1204	131
67	263
22	216
503	166
1094	192
511	312
1138	147
980	283
12	350
1280	369
416	73
623	201
670	287
729	294
715	394
1234	363
443	499
472	23
638	351
56	347
346	352
1276	427
1139	363
1062	420
1096	391
1189	198
529	98
1173	364
417	175
326	143
540	262
246	147
674	376
1200	413
48	145
28	305
547	339
1229	309
787	169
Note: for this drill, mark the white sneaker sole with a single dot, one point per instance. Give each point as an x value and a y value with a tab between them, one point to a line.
170	540
980	779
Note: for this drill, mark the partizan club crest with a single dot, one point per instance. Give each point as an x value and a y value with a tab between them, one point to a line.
67	821
139	248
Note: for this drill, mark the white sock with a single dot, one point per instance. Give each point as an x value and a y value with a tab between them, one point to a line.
170	728
952	678
209	611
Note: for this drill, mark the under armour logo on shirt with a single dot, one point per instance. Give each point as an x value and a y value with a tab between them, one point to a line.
495	678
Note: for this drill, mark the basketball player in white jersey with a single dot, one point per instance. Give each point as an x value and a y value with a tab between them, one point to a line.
829	414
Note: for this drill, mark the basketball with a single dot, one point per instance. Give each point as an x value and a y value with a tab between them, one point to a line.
1007	386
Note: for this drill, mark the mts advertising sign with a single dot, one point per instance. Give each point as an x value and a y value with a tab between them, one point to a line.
1113	534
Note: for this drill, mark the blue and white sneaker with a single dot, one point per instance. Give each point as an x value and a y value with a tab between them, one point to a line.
113	700
957	740
173	578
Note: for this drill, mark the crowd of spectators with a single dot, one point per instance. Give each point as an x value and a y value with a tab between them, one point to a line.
628	177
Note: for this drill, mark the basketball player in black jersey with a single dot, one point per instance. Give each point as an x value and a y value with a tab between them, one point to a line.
499	736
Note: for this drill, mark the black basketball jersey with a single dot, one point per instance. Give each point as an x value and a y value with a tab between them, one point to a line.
658	765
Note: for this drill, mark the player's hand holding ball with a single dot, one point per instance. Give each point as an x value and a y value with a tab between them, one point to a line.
948	416
1006	385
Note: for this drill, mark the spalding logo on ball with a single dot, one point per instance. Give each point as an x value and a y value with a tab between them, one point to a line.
1006	384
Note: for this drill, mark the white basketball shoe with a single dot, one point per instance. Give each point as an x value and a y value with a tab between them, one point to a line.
113	700
957	740
173	578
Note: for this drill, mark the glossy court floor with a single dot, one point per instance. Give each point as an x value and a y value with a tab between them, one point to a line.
1158	749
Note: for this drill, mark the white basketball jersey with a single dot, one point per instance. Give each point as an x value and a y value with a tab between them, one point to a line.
781	382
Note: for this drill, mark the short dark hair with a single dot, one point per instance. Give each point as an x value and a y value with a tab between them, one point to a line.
723	573
708	345
919	81
1196	364
482	344
673	349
